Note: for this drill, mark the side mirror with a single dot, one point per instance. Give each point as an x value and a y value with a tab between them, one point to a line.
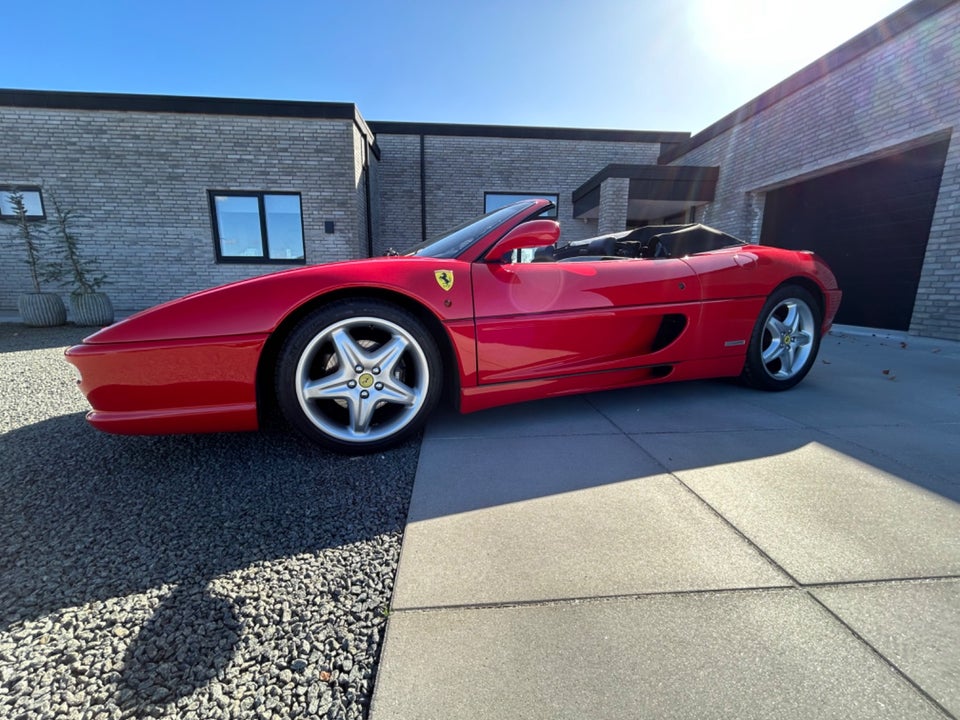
532	234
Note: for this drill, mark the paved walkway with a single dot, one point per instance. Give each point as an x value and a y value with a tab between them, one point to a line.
692	550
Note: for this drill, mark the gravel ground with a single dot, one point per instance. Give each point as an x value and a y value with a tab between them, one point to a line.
211	576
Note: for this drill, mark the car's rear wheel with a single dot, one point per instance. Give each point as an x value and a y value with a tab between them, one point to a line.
785	340
358	375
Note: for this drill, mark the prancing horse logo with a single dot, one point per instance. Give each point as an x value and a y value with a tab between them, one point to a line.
444	278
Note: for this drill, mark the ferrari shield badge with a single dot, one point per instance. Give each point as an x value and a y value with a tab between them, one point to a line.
444	278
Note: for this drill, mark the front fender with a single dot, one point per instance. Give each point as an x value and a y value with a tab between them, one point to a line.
259	305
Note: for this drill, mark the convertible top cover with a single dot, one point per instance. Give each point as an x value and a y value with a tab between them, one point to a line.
652	241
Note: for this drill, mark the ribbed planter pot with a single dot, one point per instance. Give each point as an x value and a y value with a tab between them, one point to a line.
91	309
42	309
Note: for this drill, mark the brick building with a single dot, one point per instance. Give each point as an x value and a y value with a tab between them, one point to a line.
144	174
852	156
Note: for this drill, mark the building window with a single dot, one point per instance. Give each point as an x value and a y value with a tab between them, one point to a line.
257	227
494	200
32	202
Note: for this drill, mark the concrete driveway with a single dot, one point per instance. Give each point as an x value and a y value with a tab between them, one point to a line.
691	550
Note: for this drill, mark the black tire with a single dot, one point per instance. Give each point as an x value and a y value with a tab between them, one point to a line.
358	375
785	340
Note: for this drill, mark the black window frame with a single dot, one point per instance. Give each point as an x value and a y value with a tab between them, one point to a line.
553	197
264	259
6	189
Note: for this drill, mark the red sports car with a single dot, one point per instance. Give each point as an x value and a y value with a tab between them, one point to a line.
356	353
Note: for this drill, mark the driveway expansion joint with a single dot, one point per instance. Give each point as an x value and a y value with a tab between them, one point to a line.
553	602
883	658
799	587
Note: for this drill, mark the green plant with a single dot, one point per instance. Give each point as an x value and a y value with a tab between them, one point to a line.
85	276
33	237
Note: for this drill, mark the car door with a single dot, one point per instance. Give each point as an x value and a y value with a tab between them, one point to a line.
546	319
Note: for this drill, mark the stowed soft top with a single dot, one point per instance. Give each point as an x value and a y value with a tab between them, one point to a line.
652	241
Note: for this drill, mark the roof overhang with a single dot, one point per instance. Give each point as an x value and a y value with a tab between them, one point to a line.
656	191
523	132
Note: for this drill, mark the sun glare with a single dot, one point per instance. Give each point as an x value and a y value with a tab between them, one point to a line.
780	34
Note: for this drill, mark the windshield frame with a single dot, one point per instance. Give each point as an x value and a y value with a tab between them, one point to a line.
457	242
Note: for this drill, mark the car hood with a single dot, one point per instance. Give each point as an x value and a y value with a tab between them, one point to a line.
258	305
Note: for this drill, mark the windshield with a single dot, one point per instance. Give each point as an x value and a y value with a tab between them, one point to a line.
453	242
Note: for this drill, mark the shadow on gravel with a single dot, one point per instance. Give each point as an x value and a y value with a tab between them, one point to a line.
15	337
86	516
187	642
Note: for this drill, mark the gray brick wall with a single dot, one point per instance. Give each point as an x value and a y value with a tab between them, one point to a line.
905	89
459	169
614	199
399	181
140	181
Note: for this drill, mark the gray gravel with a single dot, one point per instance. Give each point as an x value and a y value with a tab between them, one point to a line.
211	576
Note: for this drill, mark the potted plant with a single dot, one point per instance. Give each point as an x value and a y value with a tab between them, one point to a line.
88	306
37	308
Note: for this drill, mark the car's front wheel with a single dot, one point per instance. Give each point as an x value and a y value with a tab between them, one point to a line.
785	340
358	375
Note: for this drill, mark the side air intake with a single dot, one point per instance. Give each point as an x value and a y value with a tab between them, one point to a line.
670	328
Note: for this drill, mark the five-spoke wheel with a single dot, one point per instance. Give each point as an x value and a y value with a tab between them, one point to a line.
785	340
358	375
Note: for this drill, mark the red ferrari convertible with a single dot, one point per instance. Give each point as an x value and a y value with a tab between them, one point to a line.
356	354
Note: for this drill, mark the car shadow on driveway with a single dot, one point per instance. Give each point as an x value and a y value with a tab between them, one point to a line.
90	519
15	337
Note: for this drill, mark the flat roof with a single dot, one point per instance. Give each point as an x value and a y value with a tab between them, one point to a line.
684	184
123	102
384	127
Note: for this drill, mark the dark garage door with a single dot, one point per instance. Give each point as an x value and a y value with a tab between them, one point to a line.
871	224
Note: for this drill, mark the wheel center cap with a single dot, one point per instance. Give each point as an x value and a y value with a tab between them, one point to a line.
365	380
787	339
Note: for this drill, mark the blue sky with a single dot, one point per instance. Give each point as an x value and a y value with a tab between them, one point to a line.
646	64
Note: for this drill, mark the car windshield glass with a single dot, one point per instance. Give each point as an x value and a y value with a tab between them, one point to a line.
453	242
